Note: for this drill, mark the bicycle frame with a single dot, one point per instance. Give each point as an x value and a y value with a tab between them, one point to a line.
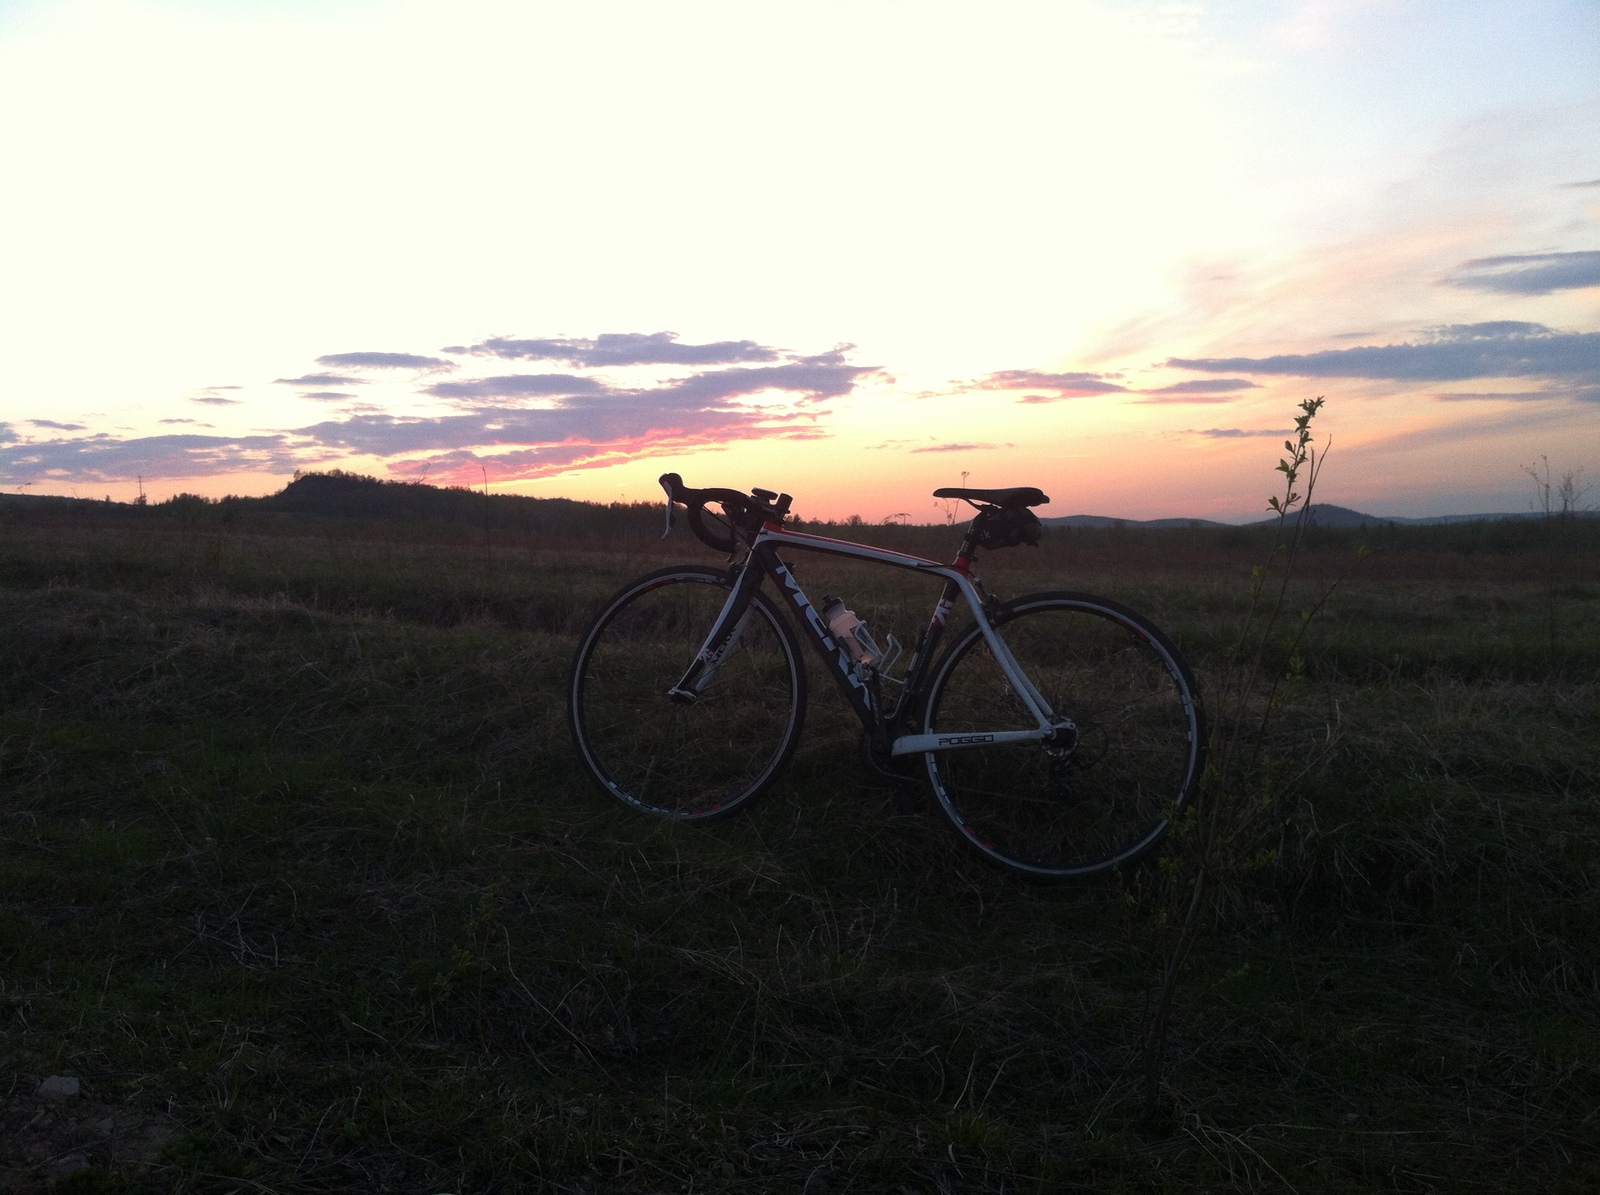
860	685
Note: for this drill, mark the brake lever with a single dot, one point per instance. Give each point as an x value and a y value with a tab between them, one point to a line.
668	490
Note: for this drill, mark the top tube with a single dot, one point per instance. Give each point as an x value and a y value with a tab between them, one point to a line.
772	533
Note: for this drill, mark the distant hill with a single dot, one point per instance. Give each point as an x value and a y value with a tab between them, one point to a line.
312	498
1325	514
315	498
1320	514
1101	522
352	495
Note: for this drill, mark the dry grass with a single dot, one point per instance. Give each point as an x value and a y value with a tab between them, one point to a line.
296	860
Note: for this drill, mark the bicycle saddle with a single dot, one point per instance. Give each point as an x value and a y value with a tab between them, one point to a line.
1016	496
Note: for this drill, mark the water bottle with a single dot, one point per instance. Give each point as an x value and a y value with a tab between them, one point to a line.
850	631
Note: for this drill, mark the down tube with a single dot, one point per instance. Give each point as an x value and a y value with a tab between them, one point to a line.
832	652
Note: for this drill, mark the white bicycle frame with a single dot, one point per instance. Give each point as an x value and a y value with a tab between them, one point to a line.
763	555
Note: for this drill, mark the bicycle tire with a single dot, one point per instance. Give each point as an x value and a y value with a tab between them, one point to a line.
1054	812
690	762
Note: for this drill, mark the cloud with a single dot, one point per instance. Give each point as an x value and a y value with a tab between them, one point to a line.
384	361
517	425
825	378
7	435
1501	349
518	385
834	356
546	459
1529	273
104	458
1593	182
195	421
1514	396
621	418
1205	386
60	427
587	424
958	447
321	379
1200	390
622	348
1234	433
1063	385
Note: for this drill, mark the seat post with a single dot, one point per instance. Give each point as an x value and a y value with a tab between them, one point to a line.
969	542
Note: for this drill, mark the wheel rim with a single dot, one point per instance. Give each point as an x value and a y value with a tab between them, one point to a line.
1105	792
683	760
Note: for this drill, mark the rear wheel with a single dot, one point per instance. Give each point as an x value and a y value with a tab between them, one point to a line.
690	761
1105	790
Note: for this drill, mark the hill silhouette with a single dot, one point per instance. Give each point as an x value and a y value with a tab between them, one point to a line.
1320	514
337	494
417	509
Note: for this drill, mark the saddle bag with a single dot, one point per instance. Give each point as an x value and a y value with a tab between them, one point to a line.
1008	528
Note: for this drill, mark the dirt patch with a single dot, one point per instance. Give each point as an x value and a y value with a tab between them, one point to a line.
48	1130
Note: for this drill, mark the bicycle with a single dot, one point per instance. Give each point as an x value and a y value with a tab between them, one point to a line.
1060	732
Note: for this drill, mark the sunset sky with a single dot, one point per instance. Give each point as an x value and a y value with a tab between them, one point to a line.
853	250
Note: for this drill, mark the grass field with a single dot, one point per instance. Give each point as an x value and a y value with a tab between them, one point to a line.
298	876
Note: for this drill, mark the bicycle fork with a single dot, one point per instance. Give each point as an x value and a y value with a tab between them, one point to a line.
720	642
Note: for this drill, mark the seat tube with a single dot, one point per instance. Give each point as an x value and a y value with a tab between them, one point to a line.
1020	680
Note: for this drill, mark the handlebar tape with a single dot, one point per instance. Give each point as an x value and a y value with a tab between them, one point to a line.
738	506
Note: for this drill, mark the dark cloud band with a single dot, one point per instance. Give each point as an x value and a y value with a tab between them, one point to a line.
520	424
321	379
1205	386
622	348
1503	349
1529	273
383	361
518	385
1060	385
105	458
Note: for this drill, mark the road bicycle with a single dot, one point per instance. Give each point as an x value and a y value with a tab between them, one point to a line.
1060	732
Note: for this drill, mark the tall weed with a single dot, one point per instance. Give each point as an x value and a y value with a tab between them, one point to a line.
1235	829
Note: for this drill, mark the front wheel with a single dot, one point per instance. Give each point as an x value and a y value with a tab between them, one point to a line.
690	761
1104	791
